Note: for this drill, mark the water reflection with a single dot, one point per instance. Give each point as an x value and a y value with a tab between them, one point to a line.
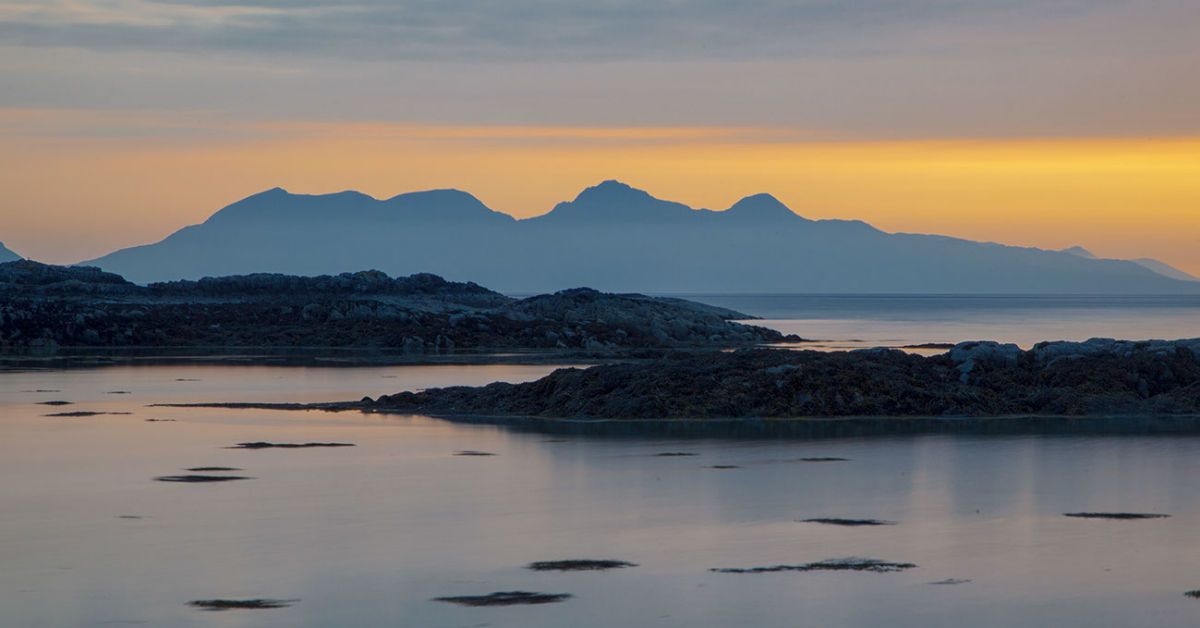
367	535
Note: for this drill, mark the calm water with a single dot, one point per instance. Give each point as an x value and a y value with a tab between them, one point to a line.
856	321
365	536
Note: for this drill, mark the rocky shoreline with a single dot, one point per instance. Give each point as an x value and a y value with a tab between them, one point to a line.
1098	378
47	308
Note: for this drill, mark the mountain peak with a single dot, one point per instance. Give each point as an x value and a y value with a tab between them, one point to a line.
1079	251
612	190
761	205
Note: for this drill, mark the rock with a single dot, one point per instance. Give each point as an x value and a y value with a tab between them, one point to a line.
968	355
1146	380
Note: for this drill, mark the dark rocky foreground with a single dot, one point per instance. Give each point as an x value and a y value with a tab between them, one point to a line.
982	379
44	308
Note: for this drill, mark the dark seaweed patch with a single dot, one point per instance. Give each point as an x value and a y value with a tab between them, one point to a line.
838	521
578	564
196	479
213	469
505	598
834	564
1115	515
472	452
674	454
82	413
724	466
225	605
266	445
56	402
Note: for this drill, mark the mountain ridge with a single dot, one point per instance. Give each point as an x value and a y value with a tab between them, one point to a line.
614	237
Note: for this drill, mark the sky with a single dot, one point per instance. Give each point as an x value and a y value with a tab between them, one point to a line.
1045	123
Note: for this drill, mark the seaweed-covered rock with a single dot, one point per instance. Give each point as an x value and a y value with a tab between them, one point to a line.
1140	378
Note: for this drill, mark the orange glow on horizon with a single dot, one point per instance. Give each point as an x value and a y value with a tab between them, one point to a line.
79	184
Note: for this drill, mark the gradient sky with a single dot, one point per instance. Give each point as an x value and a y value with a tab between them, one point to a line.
1037	122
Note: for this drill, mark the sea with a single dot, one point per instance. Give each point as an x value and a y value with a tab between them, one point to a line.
375	533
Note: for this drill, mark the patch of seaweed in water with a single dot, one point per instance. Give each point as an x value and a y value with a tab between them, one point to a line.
838	521
673	454
505	598
212	469
1193	594
578	564
160	420
118	392
83	413
1116	515
225	605
833	564
56	402
951	581
472	452
196	479
266	445
724	466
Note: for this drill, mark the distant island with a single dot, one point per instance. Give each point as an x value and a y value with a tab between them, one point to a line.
614	237
45	307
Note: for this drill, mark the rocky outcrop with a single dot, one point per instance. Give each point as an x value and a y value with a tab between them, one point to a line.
44	308
973	379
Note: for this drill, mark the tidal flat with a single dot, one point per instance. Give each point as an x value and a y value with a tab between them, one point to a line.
373	534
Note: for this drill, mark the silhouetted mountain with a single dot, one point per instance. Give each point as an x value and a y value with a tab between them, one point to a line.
7	255
1164	269
612	237
1161	268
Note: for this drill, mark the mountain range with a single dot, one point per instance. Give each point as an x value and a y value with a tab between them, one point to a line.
613	237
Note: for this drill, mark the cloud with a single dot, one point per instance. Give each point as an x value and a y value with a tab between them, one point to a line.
516	30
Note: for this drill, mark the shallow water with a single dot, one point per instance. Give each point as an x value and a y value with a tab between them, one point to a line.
367	535
857	321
